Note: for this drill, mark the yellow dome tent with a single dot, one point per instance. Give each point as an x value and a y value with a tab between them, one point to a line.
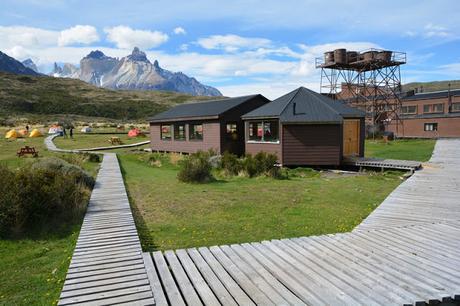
35	133
11	134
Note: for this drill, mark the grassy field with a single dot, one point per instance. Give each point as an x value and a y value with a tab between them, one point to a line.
32	269
84	141
171	215
409	149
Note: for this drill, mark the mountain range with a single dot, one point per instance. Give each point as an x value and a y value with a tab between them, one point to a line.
9	64
132	72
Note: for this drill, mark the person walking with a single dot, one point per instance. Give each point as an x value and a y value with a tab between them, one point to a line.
71	132
27	129
64	132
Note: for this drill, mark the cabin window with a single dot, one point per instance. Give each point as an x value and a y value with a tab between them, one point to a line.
196	131
179	132
410	109
456	107
264	131
165	132
429	127
426	108
231	131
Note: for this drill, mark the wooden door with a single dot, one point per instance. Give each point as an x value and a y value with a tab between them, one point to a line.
351	128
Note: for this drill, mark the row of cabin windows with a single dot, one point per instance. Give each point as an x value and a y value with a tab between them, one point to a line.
264	131
429	108
178	132
195	131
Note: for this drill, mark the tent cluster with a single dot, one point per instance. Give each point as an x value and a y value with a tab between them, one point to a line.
135	132
12	134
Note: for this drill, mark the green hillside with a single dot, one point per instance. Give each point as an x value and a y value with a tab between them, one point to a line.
35	97
433	86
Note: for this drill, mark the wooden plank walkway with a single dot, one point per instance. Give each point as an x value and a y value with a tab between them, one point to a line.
382	163
107	266
405	252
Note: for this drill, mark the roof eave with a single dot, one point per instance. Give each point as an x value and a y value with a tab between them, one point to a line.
193	118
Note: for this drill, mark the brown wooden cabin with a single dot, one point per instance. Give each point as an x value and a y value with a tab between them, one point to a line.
217	125
305	128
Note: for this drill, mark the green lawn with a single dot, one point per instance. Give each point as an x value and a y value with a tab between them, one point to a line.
171	215
86	141
32	269
408	149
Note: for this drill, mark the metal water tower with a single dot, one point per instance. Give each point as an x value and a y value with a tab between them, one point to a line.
369	80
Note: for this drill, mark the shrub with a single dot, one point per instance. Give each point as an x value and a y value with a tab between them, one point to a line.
196	168
261	164
59	165
155	160
38	199
231	164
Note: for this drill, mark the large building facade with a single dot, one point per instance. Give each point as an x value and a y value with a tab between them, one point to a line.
428	115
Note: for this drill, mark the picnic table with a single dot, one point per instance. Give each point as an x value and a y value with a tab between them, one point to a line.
27	150
115	140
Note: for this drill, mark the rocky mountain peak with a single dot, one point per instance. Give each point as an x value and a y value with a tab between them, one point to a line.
96	55
29	63
156	64
138	55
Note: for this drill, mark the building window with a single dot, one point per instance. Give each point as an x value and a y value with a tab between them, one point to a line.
410	109
456	107
165	132
231	131
429	127
264	131
196	131
433	108
179	131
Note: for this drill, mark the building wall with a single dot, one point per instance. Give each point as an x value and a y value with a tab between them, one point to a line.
211	139
312	144
413	124
447	127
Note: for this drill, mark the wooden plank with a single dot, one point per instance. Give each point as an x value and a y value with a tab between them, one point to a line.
189	293
158	293
173	293
232	286
225	298
203	289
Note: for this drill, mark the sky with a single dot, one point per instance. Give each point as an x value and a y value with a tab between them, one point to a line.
239	47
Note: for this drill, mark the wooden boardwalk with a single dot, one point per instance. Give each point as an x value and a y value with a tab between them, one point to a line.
405	252
107	265
383	163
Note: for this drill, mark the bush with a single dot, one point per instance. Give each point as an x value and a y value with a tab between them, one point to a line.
155	160
39	199
231	164
61	166
80	158
261	164
196	168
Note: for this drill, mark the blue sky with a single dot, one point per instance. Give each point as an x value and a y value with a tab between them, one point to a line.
240	47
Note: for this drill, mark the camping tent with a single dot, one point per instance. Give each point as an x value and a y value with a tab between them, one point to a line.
86	129
11	134
54	129
35	133
135	132
22	133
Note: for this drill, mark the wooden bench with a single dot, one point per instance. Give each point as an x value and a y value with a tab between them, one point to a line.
27	150
115	140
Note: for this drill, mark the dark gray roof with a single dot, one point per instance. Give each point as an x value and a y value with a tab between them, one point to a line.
304	105
211	108
433	94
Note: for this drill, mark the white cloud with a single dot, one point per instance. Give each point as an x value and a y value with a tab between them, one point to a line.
271	90
27	37
433	30
232	43
126	38
79	34
180	30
